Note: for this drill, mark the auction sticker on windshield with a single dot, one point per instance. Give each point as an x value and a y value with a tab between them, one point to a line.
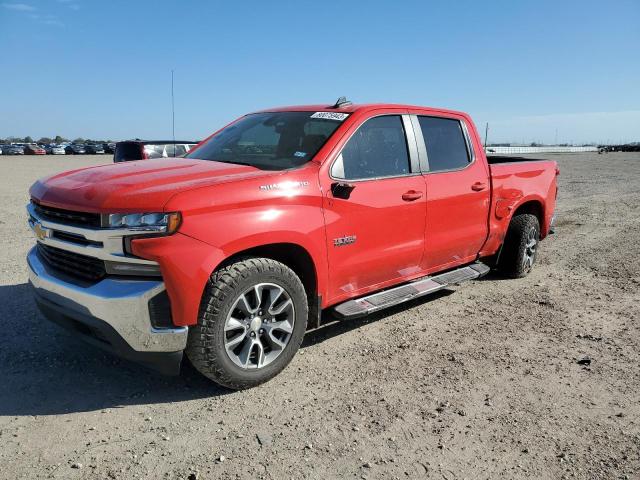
330	115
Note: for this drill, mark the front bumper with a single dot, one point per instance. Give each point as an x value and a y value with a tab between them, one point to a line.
112	314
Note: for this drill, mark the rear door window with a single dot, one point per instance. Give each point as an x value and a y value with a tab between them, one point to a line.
377	149
445	142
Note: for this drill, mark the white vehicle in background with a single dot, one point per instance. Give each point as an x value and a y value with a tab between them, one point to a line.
130	150
53	149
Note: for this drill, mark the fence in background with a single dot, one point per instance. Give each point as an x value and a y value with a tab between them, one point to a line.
541	149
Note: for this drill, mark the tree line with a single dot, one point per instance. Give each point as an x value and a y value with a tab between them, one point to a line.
56	139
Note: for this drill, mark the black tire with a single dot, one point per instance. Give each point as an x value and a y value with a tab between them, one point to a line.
518	254
206	342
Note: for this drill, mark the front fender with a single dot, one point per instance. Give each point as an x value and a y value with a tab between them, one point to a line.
186	265
236	230
186	262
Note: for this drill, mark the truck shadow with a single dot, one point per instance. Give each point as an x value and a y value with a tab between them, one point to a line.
330	327
44	370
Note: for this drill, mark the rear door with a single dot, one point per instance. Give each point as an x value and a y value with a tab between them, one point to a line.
458	191
374	205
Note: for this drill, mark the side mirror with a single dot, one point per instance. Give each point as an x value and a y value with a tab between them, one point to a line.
342	190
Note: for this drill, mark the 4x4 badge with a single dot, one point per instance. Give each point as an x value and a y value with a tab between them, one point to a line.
342	241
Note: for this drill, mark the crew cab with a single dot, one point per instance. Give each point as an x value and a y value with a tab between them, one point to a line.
231	253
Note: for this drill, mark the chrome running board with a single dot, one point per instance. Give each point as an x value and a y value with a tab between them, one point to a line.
362	306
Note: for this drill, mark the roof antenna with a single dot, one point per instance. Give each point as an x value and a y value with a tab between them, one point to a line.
341	102
486	135
173	113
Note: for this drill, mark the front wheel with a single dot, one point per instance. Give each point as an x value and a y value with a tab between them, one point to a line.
253	316
520	246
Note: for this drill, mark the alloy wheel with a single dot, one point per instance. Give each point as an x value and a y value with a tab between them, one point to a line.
530	249
259	325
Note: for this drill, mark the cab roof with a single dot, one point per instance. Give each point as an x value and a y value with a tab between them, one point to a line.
357	107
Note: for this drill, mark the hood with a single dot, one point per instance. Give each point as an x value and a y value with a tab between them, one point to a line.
144	185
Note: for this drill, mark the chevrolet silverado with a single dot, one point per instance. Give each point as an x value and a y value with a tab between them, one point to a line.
230	253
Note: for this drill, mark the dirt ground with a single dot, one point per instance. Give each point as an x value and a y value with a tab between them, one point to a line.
482	381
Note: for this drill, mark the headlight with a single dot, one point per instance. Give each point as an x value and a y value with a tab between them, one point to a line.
155	222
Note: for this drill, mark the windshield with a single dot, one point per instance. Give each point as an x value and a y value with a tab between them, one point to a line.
271	141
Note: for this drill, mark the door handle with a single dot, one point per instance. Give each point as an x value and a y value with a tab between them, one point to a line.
411	195
478	186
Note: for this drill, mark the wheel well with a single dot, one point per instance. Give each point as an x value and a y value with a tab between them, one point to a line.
533	207
293	256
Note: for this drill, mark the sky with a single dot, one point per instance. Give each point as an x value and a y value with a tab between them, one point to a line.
534	70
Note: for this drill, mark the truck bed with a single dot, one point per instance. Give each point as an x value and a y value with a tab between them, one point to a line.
495	159
515	178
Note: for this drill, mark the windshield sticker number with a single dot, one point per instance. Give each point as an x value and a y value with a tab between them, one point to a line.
300	154
330	115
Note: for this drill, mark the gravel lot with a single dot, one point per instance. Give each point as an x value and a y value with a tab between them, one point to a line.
482	381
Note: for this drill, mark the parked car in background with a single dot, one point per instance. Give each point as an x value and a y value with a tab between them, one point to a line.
75	149
109	147
94	148
144	149
12	150
53	149
33	149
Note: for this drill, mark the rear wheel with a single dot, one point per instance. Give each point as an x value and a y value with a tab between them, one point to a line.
520	246
252	320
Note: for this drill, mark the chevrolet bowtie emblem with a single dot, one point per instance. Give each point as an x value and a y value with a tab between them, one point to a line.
40	231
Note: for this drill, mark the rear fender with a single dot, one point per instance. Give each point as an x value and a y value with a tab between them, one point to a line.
503	210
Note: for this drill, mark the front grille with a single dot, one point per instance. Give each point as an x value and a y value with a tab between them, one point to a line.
74	238
73	264
69	217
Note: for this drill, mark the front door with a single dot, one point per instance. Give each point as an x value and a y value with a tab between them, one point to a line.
375	209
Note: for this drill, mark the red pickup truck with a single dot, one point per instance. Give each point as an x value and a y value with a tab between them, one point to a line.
231	253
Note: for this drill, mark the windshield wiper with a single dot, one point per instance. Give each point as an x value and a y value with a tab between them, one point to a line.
236	162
